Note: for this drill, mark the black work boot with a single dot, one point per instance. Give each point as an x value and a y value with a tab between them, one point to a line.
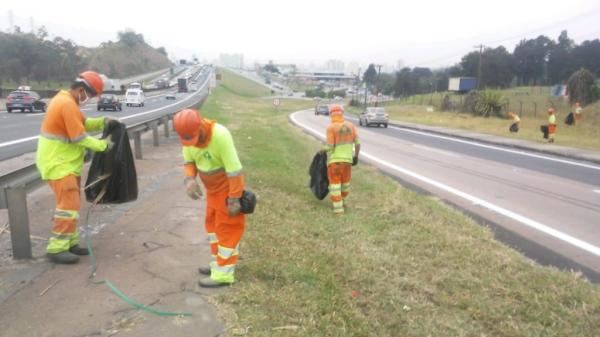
204	270
63	257
207	282
77	250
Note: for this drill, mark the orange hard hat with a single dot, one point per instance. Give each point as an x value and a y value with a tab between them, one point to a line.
92	81
187	123
336	109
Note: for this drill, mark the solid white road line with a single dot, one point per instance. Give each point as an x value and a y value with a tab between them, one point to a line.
492	147
23	140
474	200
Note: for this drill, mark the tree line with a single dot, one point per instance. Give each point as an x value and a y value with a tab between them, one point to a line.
538	61
28	57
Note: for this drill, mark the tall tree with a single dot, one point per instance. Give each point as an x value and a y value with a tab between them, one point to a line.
370	74
560	59
530	60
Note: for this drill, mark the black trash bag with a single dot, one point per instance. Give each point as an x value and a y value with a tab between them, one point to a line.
514	127
544	129
248	202
319	182
570	119
113	172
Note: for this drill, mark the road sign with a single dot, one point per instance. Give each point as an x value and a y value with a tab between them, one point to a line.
276	101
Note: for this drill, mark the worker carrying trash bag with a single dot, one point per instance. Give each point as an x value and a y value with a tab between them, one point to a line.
61	147
342	148
209	152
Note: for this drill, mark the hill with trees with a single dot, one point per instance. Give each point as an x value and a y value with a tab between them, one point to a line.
26	58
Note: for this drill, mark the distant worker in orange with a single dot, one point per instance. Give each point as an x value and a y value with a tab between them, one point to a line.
209	153
578	113
514	127
343	148
551	124
61	147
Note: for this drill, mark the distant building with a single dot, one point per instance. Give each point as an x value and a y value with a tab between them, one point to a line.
336	66
232	60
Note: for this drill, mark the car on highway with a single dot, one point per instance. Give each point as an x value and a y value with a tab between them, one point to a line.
109	101
322	109
24	100
134	97
170	95
374	116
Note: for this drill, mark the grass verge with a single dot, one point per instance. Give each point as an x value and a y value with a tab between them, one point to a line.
397	264
583	136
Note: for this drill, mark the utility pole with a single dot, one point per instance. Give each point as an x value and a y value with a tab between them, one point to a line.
479	66
11	21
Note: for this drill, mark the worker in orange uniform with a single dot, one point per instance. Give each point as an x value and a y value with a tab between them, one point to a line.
578	113
343	148
61	147
209	152
551	124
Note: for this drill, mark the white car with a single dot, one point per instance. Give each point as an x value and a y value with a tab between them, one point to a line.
134	97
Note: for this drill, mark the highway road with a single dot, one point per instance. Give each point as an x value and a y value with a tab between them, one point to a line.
19	131
547	207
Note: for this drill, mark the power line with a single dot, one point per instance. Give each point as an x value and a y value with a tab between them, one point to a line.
519	36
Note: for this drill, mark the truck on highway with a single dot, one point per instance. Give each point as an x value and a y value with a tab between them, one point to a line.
461	84
182	84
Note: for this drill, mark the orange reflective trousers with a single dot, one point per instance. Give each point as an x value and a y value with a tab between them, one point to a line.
67	194
339	175
224	234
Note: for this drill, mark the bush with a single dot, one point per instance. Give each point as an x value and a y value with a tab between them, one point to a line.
315	93
355	102
484	103
580	87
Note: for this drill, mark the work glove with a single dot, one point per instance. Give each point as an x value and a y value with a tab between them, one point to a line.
234	206
354	160
109	144
110	122
192	188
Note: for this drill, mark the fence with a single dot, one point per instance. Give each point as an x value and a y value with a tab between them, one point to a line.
15	185
531	103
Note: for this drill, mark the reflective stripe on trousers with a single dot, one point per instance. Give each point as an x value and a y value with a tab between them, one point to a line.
224	233
64	233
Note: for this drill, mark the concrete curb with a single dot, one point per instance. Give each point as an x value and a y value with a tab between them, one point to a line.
571	153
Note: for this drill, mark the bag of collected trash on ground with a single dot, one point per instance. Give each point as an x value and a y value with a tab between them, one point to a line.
544	129
319	182
514	127
570	119
112	176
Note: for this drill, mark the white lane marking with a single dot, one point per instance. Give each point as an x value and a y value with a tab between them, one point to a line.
23	140
492	147
166	106
474	200
597	191
35	114
431	149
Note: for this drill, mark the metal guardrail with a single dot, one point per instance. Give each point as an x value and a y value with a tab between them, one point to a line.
15	185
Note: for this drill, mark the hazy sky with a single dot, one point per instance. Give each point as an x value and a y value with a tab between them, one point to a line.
421	32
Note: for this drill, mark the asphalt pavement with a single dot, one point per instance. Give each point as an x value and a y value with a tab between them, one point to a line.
543	205
19	131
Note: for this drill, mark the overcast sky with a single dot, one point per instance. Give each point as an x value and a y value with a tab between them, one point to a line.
419	33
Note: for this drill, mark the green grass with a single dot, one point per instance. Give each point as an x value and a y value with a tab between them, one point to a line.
534	102
397	264
36	85
241	86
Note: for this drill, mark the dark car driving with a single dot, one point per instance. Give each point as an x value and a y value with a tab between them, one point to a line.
23	100
322	109
109	102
